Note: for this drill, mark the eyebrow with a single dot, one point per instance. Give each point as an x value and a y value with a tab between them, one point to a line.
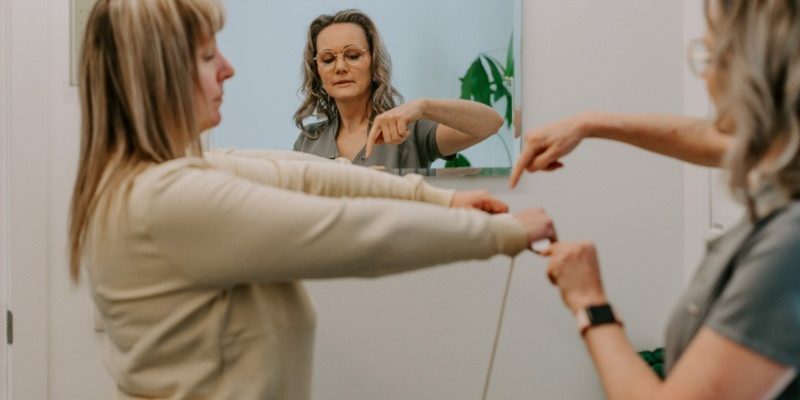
349	45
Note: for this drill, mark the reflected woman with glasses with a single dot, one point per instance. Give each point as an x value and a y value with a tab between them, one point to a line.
346	82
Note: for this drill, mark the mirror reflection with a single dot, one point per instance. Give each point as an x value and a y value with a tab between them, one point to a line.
380	84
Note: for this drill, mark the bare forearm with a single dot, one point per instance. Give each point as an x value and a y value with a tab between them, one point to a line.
469	117
623	373
685	138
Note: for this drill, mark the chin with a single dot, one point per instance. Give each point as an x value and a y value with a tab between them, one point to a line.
349	94
210	123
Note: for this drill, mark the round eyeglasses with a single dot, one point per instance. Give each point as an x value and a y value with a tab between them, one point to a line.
699	57
326	59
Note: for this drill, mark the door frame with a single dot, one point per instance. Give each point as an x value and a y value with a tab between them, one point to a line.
4	190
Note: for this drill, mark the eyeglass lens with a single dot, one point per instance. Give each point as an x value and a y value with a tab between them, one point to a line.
351	56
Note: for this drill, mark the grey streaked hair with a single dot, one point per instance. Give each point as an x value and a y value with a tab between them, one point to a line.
384	96
757	65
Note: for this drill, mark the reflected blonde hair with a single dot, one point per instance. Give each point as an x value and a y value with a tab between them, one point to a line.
316	102
757	64
138	79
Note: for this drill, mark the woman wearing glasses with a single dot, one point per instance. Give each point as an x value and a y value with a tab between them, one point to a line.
734	333
346	81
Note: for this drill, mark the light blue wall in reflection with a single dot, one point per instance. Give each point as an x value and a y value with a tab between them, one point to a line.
432	43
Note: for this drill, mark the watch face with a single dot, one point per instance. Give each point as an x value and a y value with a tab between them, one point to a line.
600	314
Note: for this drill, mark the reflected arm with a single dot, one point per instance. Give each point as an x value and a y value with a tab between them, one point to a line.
462	123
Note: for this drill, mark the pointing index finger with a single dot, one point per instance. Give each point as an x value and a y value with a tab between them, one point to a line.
371	138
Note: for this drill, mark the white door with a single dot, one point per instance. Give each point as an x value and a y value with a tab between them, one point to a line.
25	137
56	352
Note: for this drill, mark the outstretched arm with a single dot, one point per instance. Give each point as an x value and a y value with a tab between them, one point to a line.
685	138
222	230
319	176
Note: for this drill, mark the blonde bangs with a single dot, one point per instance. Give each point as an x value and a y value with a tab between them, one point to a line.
137	84
206	17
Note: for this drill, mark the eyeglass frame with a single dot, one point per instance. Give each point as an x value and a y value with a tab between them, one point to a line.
341	53
699	57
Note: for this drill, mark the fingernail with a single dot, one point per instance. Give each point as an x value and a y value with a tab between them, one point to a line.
540	246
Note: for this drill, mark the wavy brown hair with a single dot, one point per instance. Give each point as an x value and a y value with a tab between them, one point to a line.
138	78
756	54
316	101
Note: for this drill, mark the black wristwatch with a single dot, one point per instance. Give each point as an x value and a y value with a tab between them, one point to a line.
600	314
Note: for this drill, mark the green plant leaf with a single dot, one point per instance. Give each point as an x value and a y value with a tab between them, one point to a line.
509	72
475	84
458	161
500	90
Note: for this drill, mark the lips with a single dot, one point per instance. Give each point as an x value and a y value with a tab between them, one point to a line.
343	83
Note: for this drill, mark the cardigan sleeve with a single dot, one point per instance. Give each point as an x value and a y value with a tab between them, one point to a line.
264	154
221	230
328	178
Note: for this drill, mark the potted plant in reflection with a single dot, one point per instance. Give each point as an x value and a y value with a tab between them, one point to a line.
488	81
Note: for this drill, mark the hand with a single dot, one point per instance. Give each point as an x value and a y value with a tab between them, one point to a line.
391	127
575	270
480	200
542	147
538	225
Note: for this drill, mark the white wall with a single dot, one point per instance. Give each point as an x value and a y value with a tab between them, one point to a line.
616	55
419	335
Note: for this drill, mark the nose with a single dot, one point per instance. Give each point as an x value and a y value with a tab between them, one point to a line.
340	64
227	71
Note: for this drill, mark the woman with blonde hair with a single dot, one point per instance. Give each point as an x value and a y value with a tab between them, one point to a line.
347	82
194	260
735	333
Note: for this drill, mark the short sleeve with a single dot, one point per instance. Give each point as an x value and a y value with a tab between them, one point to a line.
759	308
425	138
298	144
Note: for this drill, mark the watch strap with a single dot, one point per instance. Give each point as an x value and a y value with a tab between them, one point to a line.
595	315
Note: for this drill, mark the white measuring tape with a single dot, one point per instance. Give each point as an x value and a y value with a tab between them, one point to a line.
497	332
538	247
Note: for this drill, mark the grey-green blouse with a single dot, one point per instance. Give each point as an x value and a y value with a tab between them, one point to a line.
418	151
747	289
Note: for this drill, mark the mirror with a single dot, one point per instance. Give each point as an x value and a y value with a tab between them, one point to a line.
432	45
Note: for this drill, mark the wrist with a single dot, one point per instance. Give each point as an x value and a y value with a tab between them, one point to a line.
580	301
593	125
594	316
424	105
